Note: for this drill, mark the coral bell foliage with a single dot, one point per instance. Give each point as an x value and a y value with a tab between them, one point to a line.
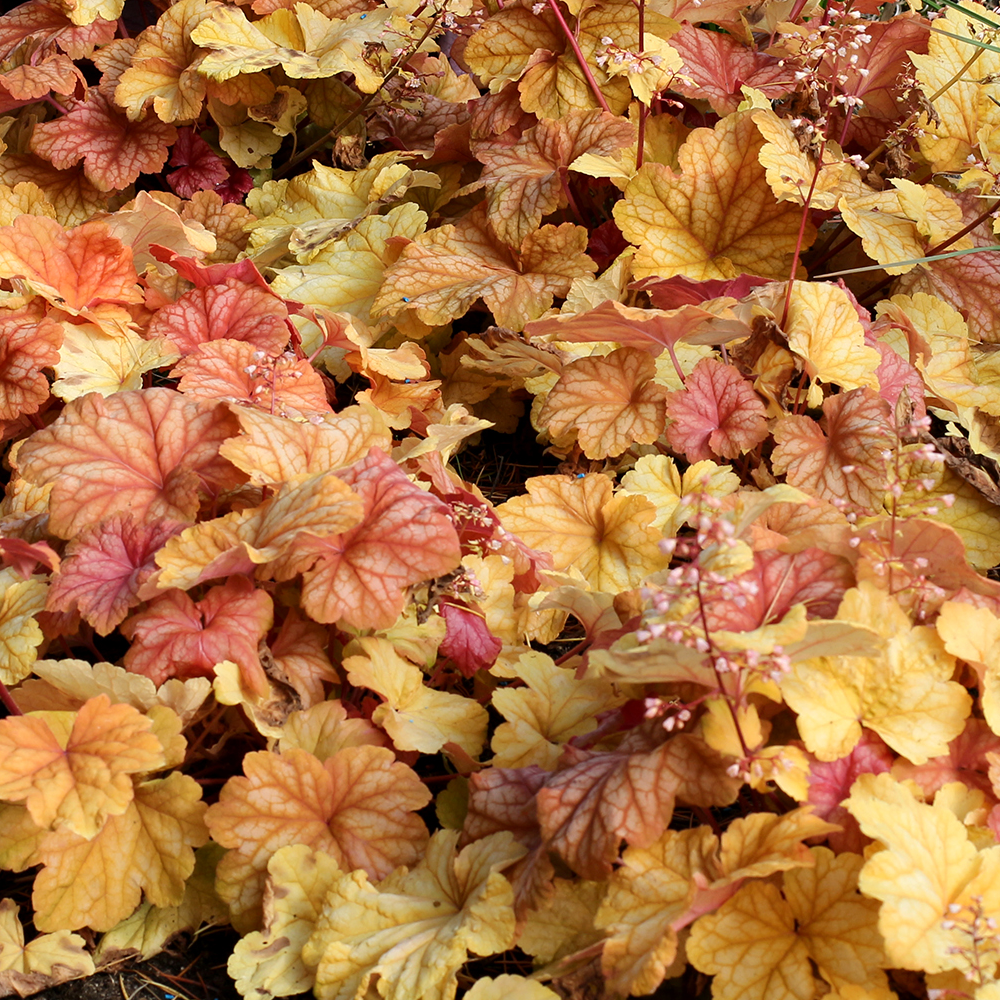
285	645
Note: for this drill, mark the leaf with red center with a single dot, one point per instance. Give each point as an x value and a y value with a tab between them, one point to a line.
359	806
718	66
203	275
74	769
230	310
74	269
845	462
777	582
104	567
468	642
672	293
149	453
235	371
966	761
612	402
717	413
830	783
113	149
49	27
176	637
29	342
200	168
360	577
599	799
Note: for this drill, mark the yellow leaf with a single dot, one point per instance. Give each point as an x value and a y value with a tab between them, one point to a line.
20	634
509	987
905	693
346	274
324	729
959	77
50	959
717	217
900	225
442	273
675	496
148	849
91	360
824	330
164	68
565	924
414	715
928	867
416	929
608	539
268	963
550	709
26	198
973	634
304	42
792	173
760	944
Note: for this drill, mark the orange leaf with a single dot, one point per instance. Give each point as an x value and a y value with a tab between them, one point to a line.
104	567
358	806
29	342
148	849
844	463
113	149
49	27
176	637
612	402
238	372
74	770
76	269
232	310
148	452
360	577
301	660
717	413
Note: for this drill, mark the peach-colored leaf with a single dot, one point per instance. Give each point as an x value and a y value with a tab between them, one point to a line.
612	402
236	371
148	849
358	806
49	27
360	577
300	658
231	310
74	269
74	770
114	150
176	637
104	567
717	413
845	462
148	452
29	342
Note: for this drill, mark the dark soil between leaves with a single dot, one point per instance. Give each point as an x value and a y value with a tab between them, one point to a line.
190	969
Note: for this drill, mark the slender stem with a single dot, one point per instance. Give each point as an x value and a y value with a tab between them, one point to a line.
802	232
580	58
7	699
643	109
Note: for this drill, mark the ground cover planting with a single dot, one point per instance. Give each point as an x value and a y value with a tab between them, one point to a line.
501	498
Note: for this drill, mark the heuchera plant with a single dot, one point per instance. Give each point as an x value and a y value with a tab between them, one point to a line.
719	697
